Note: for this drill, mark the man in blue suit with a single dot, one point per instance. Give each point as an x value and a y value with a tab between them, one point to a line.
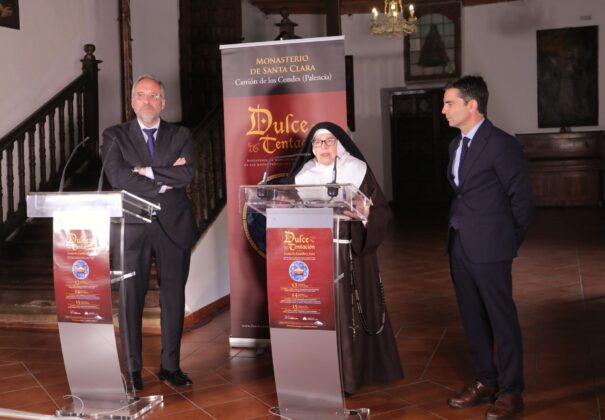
489	217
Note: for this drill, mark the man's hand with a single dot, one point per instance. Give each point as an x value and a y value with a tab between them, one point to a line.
180	161
141	170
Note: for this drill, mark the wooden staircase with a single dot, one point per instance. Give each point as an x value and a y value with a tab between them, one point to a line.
42	144
27	299
26	289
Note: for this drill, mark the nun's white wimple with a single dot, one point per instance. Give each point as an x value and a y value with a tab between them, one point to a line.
322	131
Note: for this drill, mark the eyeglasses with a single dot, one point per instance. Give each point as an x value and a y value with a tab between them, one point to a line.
152	96
328	142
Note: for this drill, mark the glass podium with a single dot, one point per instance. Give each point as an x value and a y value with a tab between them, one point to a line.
303	280
339	197
82	279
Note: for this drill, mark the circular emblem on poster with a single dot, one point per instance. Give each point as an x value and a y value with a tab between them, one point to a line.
80	269
255	224
299	271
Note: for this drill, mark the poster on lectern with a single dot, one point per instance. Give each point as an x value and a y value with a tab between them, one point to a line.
81	267
274	93
300	278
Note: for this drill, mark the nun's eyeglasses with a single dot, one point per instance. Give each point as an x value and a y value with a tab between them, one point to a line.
328	142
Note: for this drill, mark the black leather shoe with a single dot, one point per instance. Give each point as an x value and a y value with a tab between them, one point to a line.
177	377
136	381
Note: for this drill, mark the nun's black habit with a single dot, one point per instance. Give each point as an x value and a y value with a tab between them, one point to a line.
368	350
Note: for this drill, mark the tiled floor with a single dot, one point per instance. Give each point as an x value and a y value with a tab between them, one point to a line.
560	291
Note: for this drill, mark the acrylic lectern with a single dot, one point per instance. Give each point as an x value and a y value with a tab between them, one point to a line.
83	275
303	281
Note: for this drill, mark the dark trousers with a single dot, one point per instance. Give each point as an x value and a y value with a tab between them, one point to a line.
489	316
142	242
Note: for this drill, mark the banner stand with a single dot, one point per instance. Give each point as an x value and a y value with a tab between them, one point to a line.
82	280
273	94
249	343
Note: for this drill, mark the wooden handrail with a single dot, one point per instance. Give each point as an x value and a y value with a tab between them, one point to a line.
54	102
44	140
33	154
208	189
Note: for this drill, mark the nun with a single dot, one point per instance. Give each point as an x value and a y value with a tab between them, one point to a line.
368	350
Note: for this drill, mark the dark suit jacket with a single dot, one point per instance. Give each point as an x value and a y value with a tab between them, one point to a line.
493	204
124	148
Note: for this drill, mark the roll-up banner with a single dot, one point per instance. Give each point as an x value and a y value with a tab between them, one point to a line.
274	92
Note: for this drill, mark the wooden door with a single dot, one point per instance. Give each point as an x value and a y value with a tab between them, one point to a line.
419	138
203	27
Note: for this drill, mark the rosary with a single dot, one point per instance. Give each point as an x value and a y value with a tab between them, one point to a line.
355	301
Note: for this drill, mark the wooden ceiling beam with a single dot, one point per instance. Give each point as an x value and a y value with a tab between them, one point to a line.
333	24
318	7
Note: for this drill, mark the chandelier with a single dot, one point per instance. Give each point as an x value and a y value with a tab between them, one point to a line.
393	23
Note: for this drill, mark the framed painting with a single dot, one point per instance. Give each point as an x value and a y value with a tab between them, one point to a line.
9	13
568	91
433	51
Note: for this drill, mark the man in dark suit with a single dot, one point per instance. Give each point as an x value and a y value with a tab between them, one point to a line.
156	161
489	217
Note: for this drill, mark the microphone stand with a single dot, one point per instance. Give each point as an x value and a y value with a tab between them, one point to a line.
103	160
73	152
333	187
262	192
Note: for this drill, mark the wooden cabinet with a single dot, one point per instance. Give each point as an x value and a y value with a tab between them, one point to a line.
566	168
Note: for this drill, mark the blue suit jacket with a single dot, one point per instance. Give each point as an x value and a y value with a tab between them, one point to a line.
493	204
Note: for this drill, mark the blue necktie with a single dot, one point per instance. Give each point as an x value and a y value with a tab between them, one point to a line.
463	152
149	132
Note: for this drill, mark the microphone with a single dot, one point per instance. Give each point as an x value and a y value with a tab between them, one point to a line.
73	152
261	192
333	186
103	160
271	159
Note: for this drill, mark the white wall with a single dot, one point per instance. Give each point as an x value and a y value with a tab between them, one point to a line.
209	274
255	24
44	55
377	63
155	48
258	27
106	33
506	55
498	42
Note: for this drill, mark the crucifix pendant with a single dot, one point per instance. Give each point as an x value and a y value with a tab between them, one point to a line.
354	329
